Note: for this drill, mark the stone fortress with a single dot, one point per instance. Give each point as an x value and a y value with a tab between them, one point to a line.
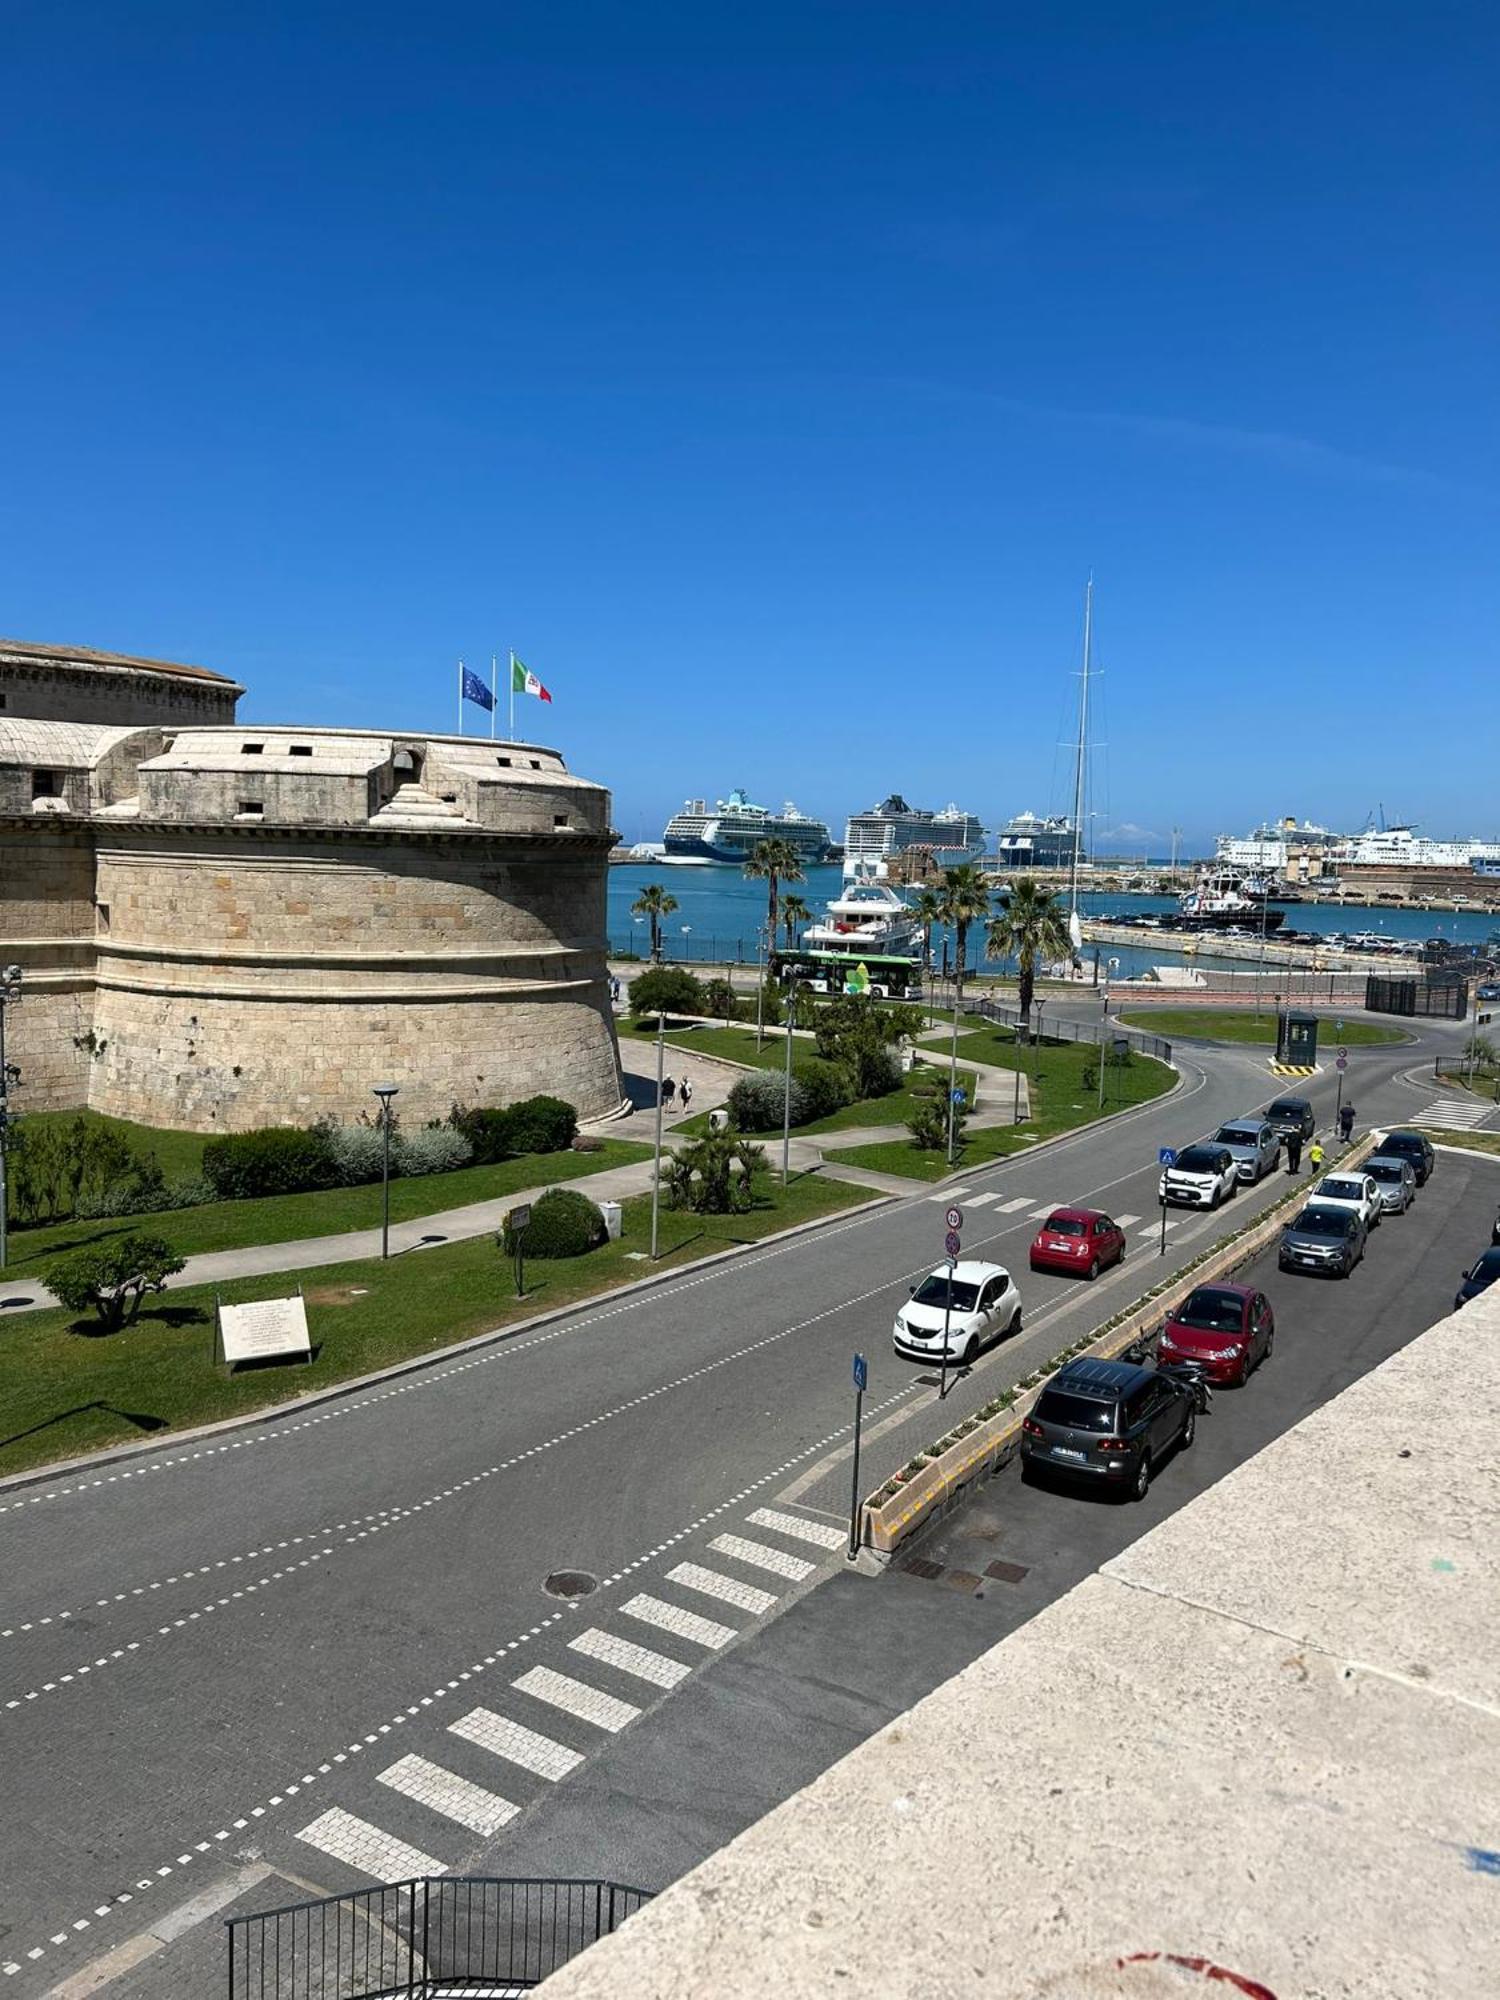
221	926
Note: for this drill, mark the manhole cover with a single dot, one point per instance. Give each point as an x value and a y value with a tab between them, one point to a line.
1004	1572
922	1566
570	1583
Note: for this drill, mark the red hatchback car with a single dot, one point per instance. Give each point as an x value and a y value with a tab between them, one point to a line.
1077	1242
1227	1329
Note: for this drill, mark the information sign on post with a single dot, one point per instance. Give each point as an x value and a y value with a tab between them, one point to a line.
1166	1157
861	1378
518	1221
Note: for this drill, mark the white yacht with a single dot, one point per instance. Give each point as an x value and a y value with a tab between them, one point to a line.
869	918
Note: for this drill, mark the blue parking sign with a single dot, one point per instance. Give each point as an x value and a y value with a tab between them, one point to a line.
861	1372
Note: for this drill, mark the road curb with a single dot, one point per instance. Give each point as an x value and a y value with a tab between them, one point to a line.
355	1384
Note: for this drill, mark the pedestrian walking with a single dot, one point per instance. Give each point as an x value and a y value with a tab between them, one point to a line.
1346	1123
1315	1156
668	1090
614	990
1294	1153
685	1093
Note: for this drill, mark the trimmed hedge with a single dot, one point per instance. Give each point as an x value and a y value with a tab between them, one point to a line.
666	989
535	1125
564	1223
275	1160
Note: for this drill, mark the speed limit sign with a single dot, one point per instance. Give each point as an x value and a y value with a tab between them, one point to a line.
955	1218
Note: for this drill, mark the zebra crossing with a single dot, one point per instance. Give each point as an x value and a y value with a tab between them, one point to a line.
1458	1113
1034	1211
423	1813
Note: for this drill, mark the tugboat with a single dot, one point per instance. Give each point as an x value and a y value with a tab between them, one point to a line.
1222	899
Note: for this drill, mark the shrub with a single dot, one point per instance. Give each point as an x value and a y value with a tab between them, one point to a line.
863	1035
666	989
488	1132
542	1125
564	1223
274	1160
114	1278
827	1086
715	1175
928	1125
756	1102
719	1000
436	1149
359	1152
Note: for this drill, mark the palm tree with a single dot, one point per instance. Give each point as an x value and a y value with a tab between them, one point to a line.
965	899
773	862
927	907
654	902
794	911
1032	924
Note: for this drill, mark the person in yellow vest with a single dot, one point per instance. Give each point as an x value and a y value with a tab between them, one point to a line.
1315	1156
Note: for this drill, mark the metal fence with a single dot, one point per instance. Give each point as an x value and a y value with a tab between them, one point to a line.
421	1939
1005	1015
1416	997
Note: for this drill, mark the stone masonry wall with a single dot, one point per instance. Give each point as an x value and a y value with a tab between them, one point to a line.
63	693
47	928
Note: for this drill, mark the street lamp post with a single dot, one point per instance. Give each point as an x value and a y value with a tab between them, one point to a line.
760	987
385	1092
10	992
953	1065
661	1056
1110	965
786	1105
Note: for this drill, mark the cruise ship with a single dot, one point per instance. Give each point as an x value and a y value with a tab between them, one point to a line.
1029	842
873	838
735	827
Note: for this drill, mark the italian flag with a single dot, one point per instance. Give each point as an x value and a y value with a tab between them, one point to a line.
524	681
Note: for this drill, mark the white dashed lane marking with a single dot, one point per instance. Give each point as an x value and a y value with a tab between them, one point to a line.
364	1847
446	1793
630	1658
517	1745
794	1525
693	1577
760	1556
683	1624
605	1711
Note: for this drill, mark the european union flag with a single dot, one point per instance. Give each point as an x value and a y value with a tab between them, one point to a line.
476	691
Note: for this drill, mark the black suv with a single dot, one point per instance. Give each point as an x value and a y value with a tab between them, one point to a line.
1291	1117
1107	1420
1413	1146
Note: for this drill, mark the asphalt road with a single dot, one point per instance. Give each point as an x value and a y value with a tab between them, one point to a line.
253	1650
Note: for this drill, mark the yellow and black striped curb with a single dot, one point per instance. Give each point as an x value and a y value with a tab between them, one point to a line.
1293	1069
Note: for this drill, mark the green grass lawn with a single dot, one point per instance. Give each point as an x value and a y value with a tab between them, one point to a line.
1476	1142
227	1225
64	1393
1060	1103
180	1153
735	1044
1229	1024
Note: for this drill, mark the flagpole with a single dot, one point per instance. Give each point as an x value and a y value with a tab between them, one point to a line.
512	679
460	697
494	692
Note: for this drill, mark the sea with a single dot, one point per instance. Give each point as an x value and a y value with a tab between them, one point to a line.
719	911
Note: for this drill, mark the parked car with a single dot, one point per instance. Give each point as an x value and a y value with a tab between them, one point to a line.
1413	1146
1323	1239
1479	1279
1107	1421
1488	991
1077	1241
1395	1183
1200	1177
1351	1190
984	1306
1291	1117
1227	1329
1253	1146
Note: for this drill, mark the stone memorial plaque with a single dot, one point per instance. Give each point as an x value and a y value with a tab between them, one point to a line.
264	1330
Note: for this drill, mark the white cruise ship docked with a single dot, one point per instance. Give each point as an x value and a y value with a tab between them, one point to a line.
873	838
735	826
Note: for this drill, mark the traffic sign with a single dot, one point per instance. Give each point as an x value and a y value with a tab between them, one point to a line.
1338	1027
1341	1061
955	1218
861	1372
951	1243
1166	1156
960	1096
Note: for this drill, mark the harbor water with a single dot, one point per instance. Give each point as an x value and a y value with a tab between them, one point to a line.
720	911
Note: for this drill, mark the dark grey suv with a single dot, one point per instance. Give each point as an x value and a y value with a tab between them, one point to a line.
1323	1238
1291	1117
1107	1421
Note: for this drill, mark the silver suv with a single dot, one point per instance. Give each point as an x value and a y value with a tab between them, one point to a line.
1253	1146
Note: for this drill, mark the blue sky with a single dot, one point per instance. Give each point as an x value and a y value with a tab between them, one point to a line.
771	379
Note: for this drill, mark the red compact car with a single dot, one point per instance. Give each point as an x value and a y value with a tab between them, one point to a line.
1079	1242
1227	1329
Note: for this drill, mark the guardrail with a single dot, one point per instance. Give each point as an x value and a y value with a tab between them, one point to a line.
1004	1015
421	1939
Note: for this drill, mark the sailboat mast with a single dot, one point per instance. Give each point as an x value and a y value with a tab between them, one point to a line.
1080	770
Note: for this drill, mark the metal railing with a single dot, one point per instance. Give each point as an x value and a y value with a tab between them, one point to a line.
1005	1015
417	1940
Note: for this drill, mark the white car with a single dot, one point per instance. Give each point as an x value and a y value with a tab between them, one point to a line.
1356	1191
1200	1177
984	1306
